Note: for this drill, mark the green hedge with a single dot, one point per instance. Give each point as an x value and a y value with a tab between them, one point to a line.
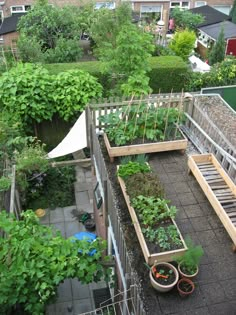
169	73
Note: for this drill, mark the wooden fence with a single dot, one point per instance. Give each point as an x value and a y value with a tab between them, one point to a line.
112	218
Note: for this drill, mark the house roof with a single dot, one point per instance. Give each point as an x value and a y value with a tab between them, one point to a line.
214	30
9	24
211	15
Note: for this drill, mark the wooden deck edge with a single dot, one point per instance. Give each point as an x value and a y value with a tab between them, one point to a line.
146	147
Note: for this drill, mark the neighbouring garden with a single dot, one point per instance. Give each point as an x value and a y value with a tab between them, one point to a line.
43	93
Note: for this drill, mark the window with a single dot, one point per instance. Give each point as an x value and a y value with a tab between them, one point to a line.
1	16
200	3
107	5
20	8
223	8
181	4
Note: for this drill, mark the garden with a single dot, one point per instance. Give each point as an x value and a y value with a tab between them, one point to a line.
32	95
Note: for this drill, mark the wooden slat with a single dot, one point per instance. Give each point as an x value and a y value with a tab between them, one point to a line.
221	192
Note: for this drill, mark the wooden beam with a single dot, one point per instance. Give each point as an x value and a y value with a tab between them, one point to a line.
70	163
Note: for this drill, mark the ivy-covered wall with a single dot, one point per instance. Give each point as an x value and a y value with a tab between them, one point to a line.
169	73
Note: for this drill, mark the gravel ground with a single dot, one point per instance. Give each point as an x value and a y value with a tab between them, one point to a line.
222	116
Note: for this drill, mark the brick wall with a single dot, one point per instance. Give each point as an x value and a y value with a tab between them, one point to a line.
9	38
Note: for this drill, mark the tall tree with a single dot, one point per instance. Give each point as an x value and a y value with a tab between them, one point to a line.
106	25
232	13
53	30
217	53
186	19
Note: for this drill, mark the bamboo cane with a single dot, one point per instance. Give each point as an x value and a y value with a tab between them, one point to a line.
166	123
179	111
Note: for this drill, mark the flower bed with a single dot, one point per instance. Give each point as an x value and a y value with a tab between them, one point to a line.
153	220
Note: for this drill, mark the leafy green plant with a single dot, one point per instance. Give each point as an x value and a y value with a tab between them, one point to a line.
31	159
217	52
152	209
165	237
186	19
72	92
51	189
191	258
5	183
26	93
183	43
34	260
142	122
146	184
131	168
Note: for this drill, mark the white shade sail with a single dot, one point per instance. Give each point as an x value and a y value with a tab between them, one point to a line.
75	140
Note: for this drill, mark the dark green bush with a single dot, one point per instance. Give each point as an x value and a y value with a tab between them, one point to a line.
169	73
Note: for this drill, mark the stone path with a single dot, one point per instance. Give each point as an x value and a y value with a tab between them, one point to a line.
73	297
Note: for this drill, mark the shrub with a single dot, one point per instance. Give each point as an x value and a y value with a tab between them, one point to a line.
183	43
168	73
73	90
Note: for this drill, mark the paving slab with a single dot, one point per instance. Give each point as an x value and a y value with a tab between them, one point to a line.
214	292
69	214
82	306
65	291
57	215
72	228
59	226
79	290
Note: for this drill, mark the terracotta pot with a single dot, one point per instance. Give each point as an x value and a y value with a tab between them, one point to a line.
188	283
160	287
184	275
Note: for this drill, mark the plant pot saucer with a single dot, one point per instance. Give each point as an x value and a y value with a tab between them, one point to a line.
40	213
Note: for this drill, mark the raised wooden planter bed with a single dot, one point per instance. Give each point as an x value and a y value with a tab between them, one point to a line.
146	147
150	258
218	188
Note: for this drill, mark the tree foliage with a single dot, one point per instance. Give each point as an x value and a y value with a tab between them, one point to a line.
72	91
34	260
106	24
183	43
186	19
232	13
128	60
30	94
220	74
26	91
217	53
50	26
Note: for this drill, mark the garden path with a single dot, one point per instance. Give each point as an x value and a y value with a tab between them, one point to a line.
73	297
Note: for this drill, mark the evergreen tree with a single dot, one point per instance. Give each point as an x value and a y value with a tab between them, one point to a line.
232	13
217	53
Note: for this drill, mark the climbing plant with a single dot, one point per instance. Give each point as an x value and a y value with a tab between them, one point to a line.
34	260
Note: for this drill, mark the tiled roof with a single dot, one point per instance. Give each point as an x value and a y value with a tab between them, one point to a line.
214	29
211	15
9	24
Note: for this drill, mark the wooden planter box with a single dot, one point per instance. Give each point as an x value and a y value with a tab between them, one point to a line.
146	147
150	258
218	188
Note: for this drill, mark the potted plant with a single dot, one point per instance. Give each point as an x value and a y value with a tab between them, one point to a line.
189	262
185	287
163	276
